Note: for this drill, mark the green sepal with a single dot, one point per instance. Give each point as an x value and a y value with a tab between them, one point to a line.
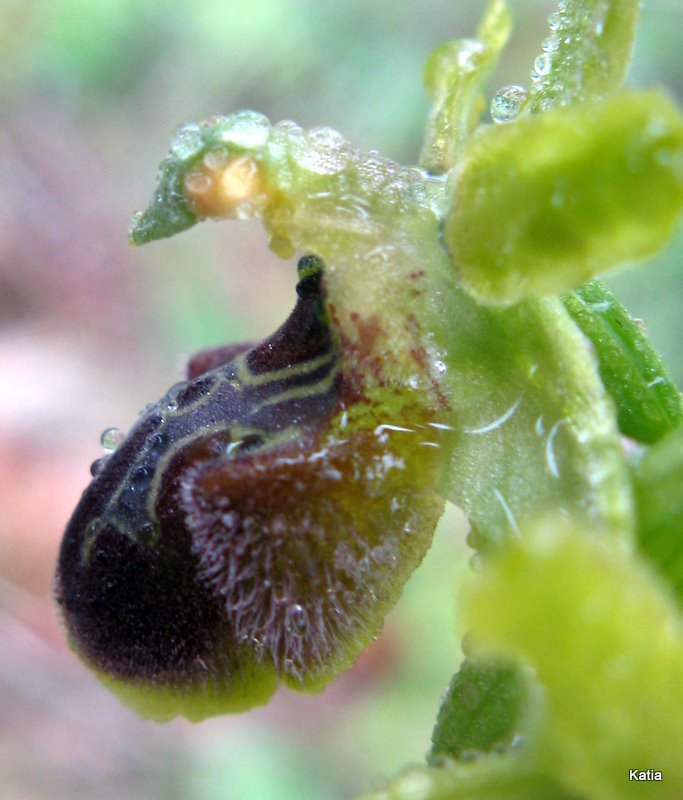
587	53
168	212
543	204
658	479
648	402
480	712
453	76
605	640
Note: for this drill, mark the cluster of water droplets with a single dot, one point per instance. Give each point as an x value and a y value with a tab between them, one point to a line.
187	141
243	129
362	178
509	101
110	439
569	47
320	150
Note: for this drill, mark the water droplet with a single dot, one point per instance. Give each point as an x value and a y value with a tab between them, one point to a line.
289	126
507	103
197	183
111	438
415	785
135	220
247	129
216	159
555	21
139	475
157	441
326	137
550	44
477	563
542	64
297	618
97	466
93	528
440	367
172	405
147	534
322	150
385	554
245	210
288	665
187	141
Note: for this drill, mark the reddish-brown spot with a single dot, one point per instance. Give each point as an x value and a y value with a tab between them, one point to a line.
213	357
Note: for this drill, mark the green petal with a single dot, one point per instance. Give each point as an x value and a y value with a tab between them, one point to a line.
606	642
543	204
535	427
586	54
648	403
480	711
658	479
453	77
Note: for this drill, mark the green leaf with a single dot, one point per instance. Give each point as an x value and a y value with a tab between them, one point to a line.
648	403
587	53
480	712
508	777
658	481
543	204
454	75
606	641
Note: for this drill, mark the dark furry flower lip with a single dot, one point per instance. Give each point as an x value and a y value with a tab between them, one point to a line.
254	526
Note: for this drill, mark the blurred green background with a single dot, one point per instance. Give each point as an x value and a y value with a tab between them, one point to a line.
90	331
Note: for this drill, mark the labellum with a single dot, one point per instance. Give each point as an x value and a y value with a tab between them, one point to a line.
256	523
